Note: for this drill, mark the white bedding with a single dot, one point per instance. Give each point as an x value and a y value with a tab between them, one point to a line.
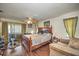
39	38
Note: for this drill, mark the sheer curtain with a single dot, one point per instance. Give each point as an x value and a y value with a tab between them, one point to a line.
15	31
70	25
14	28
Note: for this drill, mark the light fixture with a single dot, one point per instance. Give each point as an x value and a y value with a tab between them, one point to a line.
30	18
29	22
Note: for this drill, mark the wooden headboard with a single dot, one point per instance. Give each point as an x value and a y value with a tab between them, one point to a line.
48	28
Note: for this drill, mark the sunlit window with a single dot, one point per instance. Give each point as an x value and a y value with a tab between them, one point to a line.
14	28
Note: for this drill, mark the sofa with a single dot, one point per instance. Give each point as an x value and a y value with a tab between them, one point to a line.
70	48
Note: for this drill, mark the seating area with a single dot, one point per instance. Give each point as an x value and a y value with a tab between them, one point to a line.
61	49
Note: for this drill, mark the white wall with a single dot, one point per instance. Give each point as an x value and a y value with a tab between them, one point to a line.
58	25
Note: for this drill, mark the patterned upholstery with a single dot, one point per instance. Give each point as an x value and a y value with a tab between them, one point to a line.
11	41
2	43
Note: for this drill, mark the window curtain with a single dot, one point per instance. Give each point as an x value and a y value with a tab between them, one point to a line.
70	25
5	31
23	28
14	28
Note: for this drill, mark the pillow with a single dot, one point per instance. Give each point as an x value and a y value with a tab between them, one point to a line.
74	43
66	41
55	39
45	31
40	32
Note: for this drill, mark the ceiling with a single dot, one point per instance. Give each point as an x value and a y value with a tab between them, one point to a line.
36	10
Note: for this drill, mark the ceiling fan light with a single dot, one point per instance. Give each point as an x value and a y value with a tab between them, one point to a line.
29	22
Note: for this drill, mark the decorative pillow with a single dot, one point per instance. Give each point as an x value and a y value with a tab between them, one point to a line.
45	31
55	39
66	41
74	43
40	32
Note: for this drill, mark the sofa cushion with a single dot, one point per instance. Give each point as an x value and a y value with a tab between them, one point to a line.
74	43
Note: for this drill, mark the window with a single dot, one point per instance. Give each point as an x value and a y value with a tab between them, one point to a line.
18	28
70	25
14	28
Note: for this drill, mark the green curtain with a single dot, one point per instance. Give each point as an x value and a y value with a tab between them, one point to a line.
5	31
70	25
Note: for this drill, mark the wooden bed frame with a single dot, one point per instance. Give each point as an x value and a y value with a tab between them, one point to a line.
27	42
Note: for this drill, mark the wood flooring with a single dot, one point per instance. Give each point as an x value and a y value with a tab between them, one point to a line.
20	51
42	51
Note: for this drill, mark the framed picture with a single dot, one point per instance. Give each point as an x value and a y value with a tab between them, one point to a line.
47	23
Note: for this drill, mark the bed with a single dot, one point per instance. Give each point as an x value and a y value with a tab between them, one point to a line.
35	41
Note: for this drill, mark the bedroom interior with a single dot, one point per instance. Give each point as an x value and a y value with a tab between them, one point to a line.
39	29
